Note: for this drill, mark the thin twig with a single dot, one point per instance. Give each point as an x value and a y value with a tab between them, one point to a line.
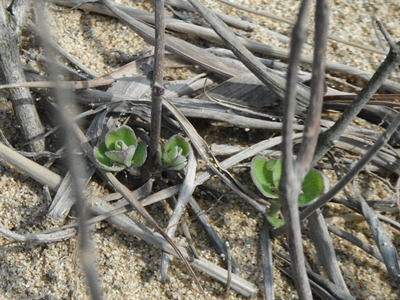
290	184
365	246
185	194
321	287
228	259
228	19
38	238
74	85
390	63
318	230
157	90
380	142
269	78
291	23
77	167
381	238
209	35
51	43
39	173
135	203
325	250
312	124
43	59
177	46
212	233
386	34
203	150
266	259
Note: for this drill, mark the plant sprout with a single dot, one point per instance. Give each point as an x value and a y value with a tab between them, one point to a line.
175	153
266	175
120	150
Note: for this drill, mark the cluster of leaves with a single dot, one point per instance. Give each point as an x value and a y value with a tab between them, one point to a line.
121	149
174	153
266	175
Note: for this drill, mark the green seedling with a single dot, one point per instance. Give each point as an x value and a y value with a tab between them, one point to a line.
266	175
175	153
120	150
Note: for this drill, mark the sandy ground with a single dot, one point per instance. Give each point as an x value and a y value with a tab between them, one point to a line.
129	268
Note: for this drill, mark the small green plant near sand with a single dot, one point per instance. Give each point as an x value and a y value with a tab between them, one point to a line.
120	150
266	175
174	153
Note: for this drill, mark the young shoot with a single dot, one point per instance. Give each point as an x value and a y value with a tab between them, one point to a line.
175	153
266	175
120	150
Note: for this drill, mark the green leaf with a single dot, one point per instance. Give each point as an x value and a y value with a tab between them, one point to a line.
140	154
124	134
104	162
275	220
313	186
120	150
120	145
180	142
174	153
262	176
277	173
177	164
173	159
125	156
266	175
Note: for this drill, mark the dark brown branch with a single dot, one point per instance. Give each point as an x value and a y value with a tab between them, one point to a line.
158	90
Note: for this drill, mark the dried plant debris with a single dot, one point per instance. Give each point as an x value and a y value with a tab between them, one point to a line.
178	217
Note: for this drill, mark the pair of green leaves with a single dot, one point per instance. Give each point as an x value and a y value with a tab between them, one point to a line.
121	150
266	175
